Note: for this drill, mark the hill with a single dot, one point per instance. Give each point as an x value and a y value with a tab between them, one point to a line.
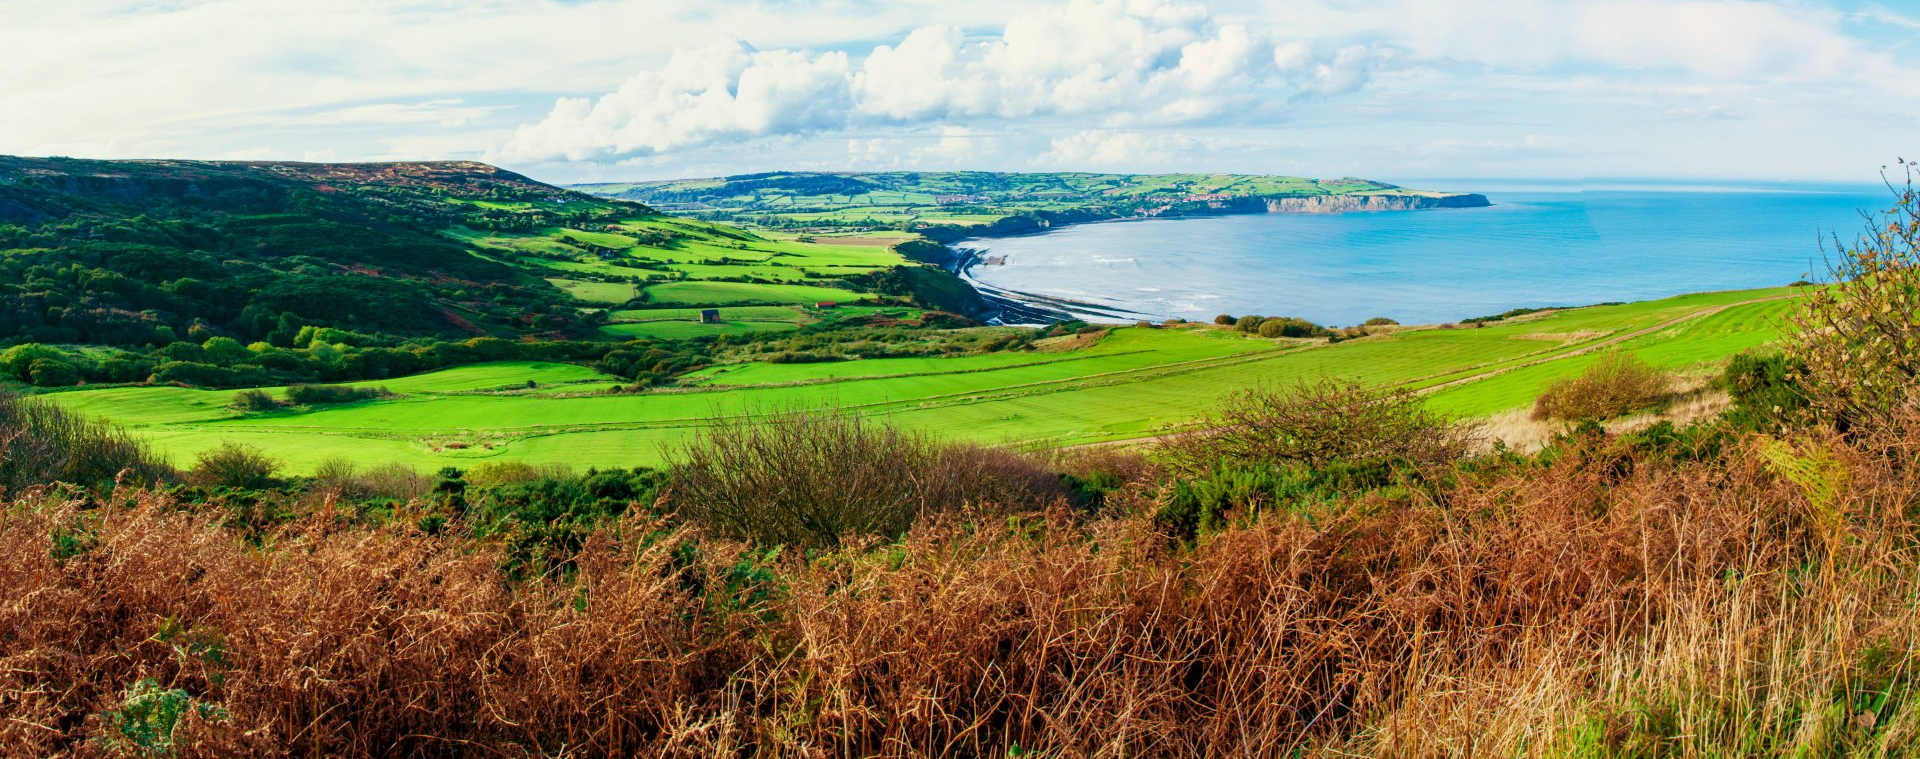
948	205
133	253
130	266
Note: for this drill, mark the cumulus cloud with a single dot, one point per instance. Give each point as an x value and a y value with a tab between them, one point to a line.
726	91
1122	61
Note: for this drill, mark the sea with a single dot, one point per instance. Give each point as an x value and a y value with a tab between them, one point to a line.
1540	244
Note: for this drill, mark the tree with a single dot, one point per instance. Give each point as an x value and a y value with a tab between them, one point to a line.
1249	324
1859	338
1224	319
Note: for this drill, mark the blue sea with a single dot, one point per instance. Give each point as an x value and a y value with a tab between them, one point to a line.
1538	245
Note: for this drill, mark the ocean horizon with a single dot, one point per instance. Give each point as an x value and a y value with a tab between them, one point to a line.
1542	243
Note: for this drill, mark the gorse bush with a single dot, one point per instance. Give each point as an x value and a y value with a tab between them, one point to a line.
1858	340
41	443
813	478
1316	423
1614	386
1764	390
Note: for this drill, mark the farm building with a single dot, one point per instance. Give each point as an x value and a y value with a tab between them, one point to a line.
709	316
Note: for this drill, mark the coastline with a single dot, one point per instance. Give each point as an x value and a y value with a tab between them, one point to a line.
1017	307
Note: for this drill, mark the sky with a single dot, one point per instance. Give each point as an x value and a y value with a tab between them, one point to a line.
616	90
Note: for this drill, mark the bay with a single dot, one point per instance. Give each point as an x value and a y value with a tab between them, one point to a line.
1538	245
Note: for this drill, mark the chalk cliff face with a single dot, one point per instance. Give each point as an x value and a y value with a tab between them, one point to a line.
1347	203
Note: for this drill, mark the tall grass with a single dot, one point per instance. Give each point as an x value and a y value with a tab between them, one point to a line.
1609	602
41	443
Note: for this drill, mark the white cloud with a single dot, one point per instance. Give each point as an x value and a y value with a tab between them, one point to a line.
1637	86
1123	62
727	91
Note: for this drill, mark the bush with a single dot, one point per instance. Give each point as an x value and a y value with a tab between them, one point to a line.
41	443
1616	385
318	395
254	400
1224	319
1249	324
813	478
1380	321
233	465
1318	423
1763	390
1857	339
51	372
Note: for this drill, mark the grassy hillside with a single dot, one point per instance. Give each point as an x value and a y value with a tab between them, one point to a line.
923	201
135	253
124	271
1080	389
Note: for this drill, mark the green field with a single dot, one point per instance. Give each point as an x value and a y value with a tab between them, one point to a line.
748	292
1131	383
683	261
611	293
905	200
681	330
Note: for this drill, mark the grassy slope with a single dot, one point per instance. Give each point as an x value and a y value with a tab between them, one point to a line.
1130	384
663	269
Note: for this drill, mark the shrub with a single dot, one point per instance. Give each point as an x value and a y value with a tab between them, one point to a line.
1616	385
233	465
813	478
318	395
18	360
1859	339
1764	392
1249	324
254	400
1317	423
1224	319
148	717
42	443
51	372
515	472
1380	321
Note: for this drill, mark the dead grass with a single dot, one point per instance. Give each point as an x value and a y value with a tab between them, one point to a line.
1692	401
1749	605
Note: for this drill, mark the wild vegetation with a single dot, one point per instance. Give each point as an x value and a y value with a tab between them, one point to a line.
1300	545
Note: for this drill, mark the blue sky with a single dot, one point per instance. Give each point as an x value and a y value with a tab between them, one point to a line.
588	90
